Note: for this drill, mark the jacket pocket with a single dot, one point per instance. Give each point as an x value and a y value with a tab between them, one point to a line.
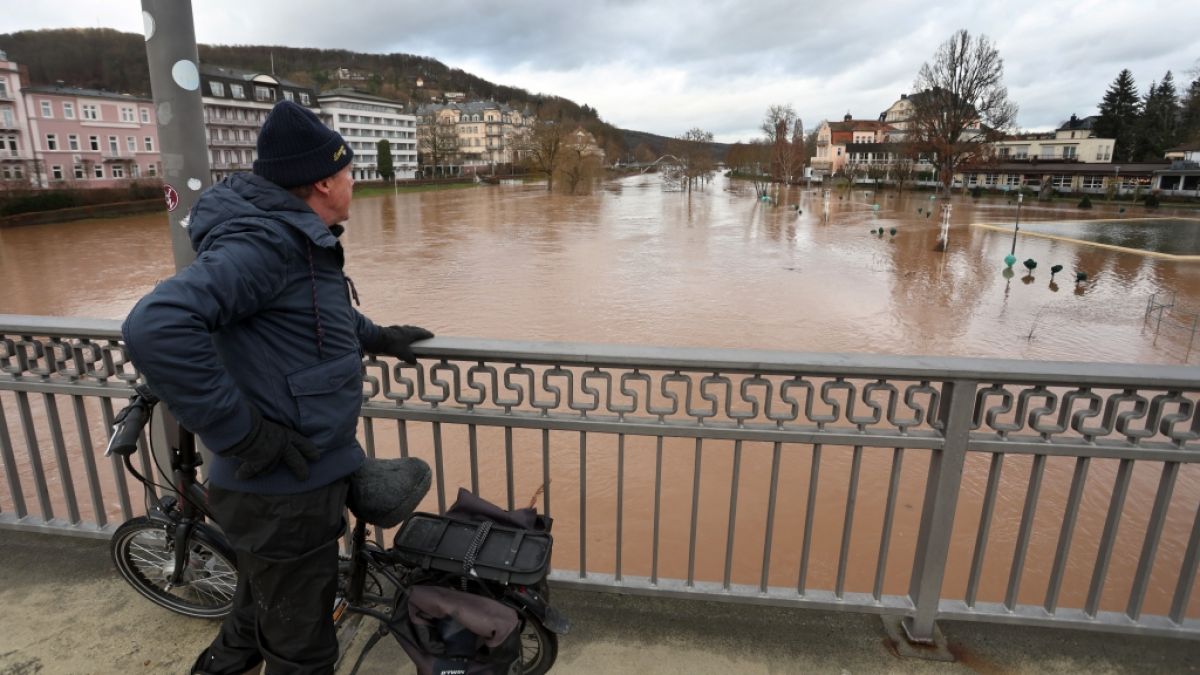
328	399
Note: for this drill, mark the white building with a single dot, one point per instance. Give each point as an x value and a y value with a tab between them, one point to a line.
364	120
235	104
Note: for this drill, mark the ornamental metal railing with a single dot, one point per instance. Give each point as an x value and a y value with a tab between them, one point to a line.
921	488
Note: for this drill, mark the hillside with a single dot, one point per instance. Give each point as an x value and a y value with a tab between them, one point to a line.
102	58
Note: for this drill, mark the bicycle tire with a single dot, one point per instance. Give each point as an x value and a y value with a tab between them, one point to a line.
539	647
141	550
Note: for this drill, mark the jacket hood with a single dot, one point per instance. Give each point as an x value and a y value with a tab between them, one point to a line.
241	201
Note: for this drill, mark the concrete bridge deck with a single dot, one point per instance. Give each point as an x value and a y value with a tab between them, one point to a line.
65	610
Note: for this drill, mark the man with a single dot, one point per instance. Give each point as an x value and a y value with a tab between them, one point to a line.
257	349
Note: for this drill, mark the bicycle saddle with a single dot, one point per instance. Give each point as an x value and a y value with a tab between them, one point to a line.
384	492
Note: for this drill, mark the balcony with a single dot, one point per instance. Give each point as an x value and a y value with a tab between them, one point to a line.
110	156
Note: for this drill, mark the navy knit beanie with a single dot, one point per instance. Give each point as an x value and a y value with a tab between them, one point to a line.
295	148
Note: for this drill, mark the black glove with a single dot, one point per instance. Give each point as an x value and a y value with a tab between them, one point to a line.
269	443
395	341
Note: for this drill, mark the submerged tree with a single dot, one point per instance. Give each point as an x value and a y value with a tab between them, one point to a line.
961	105
787	154
689	157
543	148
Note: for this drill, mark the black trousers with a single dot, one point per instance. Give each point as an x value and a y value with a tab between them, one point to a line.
287	550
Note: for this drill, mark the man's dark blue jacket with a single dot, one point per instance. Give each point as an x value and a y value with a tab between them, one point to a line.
261	319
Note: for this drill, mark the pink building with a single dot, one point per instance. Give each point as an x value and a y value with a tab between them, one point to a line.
90	138
16	149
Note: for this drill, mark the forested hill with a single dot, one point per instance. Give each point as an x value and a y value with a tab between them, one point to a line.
102	58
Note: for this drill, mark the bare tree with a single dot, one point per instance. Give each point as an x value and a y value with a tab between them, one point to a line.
690	157
787	155
751	161
579	162
543	148
961	104
437	144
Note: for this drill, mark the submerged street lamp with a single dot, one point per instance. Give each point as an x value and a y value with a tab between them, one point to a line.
1012	253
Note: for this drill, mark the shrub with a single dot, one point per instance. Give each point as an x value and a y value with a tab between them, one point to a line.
976	192
1151	200
1085	203
40	201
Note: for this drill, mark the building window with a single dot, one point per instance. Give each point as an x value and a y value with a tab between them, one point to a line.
135	171
73	142
48	111
149	144
69	110
51	141
114	148
118	171
217	88
131	144
291	97
152	170
1061	181
1069	152
145	115
56	172
98	171
1012	180
263	94
94	143
127	115
1093	182
237	91
991	179
304	97
79	174
89	111
4	87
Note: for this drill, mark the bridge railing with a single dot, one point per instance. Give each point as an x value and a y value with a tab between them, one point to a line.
926	488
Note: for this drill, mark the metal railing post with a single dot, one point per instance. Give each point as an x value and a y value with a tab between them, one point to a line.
937	514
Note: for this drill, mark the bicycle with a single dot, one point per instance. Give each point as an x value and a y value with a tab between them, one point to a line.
178	558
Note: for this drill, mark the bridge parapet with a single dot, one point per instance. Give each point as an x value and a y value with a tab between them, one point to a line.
745	476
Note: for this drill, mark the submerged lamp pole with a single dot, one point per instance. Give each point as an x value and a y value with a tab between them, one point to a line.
1012	253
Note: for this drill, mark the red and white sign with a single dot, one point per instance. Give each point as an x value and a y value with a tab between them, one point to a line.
172	197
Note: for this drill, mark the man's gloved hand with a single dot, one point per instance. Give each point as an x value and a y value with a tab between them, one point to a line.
267	445
396	341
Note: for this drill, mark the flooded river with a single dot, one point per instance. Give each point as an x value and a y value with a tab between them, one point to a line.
635	264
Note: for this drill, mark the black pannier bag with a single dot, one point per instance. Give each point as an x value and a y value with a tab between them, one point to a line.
449	632
478	539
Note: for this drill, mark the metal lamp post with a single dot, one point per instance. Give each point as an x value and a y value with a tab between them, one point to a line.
1012	253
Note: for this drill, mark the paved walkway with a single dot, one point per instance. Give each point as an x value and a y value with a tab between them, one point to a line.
65	610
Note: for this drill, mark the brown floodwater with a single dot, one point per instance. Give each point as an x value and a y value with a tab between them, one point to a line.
635	264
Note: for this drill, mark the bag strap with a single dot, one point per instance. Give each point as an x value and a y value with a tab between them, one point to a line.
481	533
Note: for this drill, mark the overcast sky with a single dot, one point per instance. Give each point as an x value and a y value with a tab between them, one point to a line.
665	66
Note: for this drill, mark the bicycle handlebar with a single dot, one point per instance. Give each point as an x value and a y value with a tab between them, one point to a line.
128	425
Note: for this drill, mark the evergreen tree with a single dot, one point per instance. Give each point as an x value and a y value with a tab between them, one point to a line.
383	160
1189	117
1158	128
1119	112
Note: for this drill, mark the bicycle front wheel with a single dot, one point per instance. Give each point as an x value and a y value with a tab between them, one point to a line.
143	551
